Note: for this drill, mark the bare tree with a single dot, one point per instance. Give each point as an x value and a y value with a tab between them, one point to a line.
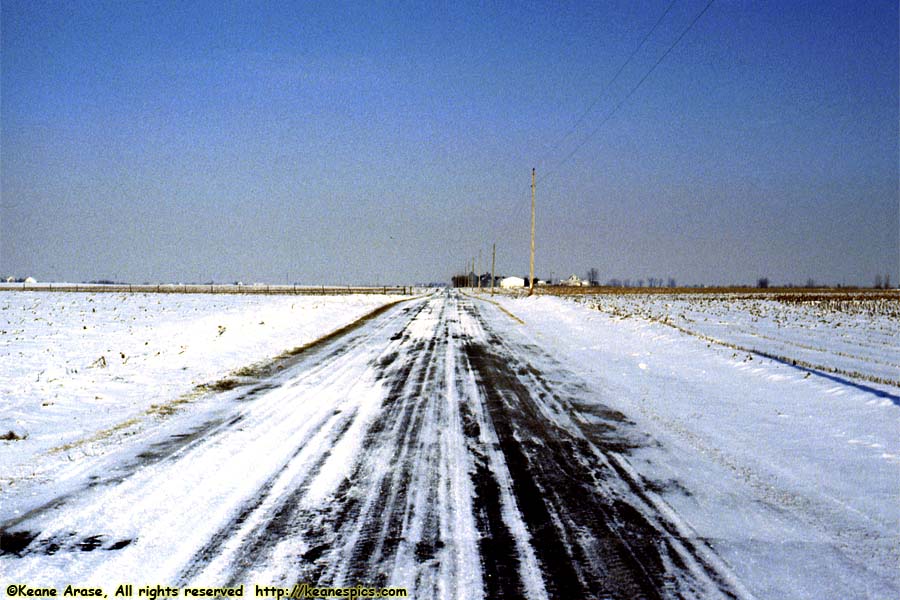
878	282
460	280
762	282
593	276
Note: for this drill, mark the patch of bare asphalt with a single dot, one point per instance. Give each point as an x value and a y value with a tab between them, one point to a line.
21	543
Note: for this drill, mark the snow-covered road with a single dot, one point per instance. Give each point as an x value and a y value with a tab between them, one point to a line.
433	448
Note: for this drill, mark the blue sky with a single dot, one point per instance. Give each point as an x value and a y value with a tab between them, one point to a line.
325	142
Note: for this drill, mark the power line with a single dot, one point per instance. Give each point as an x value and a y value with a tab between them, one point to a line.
605	88
613	80
552	171
615	109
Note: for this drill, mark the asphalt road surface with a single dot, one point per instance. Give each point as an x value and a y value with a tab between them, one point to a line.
430	448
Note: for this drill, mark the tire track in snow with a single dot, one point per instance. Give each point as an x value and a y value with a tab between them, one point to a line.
376	523
407	527
289	515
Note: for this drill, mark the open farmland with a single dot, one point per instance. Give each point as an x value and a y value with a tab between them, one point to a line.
451	445
848	333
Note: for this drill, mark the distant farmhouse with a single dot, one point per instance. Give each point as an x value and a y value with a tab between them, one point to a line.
573	281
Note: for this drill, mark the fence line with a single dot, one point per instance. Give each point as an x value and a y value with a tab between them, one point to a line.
170	288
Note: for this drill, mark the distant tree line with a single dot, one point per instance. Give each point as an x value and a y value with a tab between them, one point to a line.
593	279
651	282
461	281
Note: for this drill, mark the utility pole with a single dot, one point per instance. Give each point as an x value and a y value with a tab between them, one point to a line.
531	268
493	262
477	274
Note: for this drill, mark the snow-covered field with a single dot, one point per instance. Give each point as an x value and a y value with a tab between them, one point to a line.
78	366
850	334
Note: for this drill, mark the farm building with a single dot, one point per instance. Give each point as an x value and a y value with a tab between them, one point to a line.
512	282
573	281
